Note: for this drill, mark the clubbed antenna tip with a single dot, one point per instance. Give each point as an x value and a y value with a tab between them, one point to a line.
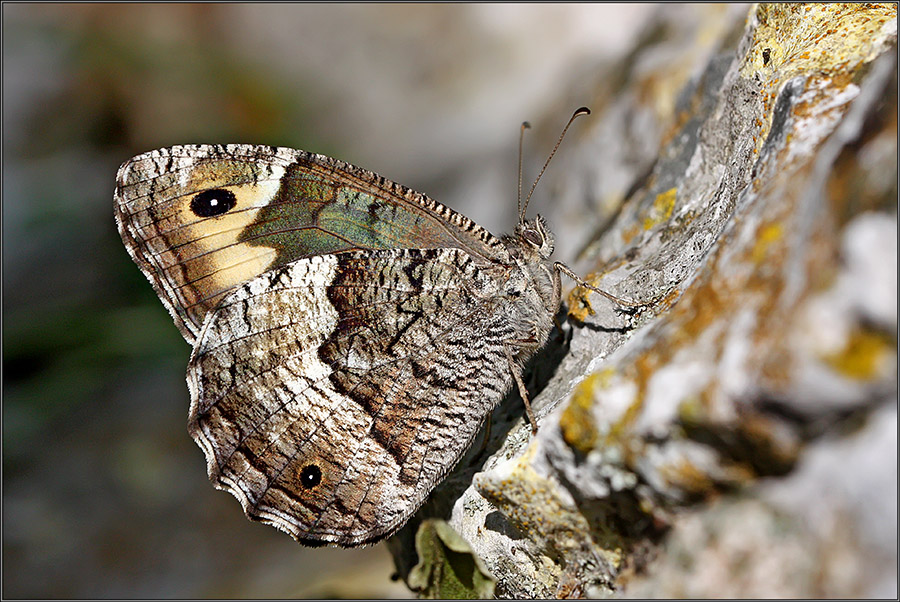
522	207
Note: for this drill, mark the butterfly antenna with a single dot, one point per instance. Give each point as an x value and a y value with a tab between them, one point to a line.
578	113
525	126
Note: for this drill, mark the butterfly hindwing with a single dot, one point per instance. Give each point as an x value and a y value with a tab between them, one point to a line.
330	395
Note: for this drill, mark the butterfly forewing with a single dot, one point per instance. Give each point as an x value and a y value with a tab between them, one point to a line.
201	220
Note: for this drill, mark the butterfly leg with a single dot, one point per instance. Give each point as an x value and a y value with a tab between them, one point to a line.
488	424
516	370
564	269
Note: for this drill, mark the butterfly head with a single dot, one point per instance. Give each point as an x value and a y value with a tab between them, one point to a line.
534	237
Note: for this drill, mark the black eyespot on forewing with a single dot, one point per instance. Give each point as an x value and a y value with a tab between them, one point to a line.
211	203
310	476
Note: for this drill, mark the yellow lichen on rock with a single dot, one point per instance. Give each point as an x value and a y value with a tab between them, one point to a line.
576	422
865	356
800	38
767	236
663	205
825	41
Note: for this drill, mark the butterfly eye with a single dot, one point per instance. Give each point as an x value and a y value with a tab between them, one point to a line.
533	237
310	476
211	203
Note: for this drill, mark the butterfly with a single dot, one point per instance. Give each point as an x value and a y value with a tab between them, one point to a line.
350	335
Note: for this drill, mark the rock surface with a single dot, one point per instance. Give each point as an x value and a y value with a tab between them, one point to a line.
737	437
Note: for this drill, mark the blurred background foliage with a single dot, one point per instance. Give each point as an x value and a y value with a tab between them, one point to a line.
104	494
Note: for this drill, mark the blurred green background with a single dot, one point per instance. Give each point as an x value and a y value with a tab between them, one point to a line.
104	493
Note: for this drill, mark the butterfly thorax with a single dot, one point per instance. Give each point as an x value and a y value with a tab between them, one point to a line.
536	293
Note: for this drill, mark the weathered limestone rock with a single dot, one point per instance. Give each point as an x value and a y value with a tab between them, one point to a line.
737	437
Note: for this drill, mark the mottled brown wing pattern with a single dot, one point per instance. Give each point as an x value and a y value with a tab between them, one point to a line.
332	394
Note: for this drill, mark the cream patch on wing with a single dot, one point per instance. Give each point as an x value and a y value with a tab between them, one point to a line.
205	257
